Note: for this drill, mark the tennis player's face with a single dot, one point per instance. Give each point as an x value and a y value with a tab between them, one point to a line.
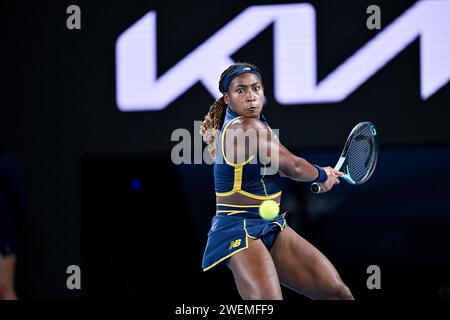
246	95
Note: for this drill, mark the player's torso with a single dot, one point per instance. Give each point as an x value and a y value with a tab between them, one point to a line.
247	181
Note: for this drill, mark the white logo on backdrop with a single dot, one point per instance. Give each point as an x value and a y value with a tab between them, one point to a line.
295	58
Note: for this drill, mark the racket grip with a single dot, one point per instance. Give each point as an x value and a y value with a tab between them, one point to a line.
315	188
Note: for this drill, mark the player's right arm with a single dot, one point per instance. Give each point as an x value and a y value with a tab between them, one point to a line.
289	165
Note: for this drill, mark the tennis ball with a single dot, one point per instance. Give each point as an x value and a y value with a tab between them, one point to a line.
269	209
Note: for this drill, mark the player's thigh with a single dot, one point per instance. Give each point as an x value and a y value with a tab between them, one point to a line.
255	273
304	268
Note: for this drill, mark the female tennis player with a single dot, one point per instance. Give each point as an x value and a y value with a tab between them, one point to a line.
260	253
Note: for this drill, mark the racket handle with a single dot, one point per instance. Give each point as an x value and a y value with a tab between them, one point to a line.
315	188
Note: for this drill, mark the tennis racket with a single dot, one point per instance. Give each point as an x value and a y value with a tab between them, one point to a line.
359	156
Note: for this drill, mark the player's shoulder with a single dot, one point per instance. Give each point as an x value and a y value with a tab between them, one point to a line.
250	123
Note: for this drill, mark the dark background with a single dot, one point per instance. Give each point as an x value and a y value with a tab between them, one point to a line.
79	154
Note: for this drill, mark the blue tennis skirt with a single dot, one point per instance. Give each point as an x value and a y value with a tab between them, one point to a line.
232	226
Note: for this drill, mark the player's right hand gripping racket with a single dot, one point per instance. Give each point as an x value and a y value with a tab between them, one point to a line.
359	157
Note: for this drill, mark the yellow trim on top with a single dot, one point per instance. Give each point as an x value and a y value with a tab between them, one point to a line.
264	185
223	136
237	185
238	171
238	205
258	197
262	180
223	147
250	195
224	194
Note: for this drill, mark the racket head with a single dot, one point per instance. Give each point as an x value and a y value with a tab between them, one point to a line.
360	154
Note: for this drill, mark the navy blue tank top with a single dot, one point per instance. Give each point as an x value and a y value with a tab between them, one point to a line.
247	178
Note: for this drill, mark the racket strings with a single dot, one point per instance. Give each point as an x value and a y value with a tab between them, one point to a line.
361	157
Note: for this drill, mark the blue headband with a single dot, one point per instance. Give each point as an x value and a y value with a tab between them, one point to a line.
225	83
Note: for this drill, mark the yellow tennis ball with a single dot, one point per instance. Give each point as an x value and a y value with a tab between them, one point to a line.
269	209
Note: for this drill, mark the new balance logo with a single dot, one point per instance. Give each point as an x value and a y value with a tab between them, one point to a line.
234	244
